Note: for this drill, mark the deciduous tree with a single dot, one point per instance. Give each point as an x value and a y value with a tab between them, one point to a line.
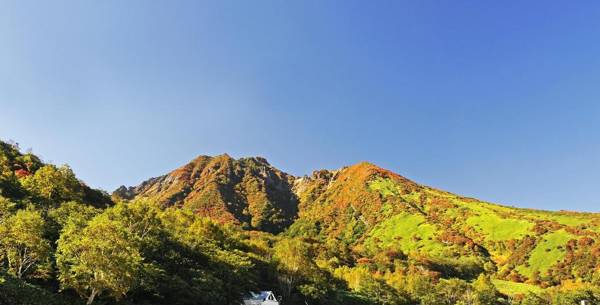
54	184
97	259
23	244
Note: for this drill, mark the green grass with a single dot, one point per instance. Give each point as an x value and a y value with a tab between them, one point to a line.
388	187
412	197
560	217
400	231
385	186
497	228
453	213
564	218
512	288
547	252
568	220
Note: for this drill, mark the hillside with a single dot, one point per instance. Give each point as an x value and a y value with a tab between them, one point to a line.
373	210
249	192
25	177
362	210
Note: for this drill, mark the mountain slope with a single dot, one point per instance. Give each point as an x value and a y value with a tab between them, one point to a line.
248	191
362	211
373	210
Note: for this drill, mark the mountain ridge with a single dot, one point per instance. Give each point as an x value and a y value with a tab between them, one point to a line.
366	210
129	192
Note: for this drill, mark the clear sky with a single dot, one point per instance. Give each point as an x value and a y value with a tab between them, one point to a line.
498	100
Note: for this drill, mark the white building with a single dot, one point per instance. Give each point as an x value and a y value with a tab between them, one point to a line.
261	298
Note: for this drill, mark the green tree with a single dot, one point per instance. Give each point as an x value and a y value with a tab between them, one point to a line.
139	217
534	299
372	286
377	290
54	184
454	291
233	268
485	291
227	262
23	244
73	212
97	259
420	286
7	208
293	258
297	271
9	184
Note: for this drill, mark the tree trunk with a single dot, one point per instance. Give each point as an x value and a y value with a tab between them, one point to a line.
90	299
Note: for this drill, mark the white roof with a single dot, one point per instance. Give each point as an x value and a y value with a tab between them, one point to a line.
259	296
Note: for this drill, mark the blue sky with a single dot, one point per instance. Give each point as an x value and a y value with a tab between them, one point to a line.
495	100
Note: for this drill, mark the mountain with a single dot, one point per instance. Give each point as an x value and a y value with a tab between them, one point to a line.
373	210
362	211
249	191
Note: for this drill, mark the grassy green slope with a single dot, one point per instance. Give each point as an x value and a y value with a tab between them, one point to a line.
407	232
512	288
549	251
495	227
540	247
520	241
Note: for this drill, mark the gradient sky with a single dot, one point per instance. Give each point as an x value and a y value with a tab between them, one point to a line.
498	100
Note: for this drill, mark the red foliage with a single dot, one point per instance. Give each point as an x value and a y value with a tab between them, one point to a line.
516	277
363	261
392	255
441	203
575	231
453	237
20	173
585	241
